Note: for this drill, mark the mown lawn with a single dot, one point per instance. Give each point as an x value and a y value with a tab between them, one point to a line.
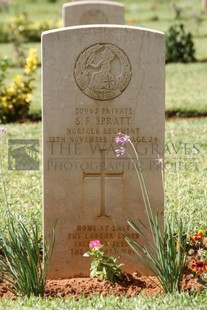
186	93
185	168
182	301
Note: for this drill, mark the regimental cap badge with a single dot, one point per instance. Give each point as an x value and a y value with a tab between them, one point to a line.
102	71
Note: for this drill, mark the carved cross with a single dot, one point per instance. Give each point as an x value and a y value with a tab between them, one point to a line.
103	174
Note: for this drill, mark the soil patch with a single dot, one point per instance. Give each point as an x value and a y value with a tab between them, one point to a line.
130	286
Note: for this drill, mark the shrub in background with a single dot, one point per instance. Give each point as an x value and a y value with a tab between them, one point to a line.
179	45
4	37
178	10
28	30
16	97
4	65
22	29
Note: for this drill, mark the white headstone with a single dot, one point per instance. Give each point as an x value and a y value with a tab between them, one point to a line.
92	12
98	81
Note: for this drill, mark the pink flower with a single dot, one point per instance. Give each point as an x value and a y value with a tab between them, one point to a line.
2	132
94	244
120	151
121	139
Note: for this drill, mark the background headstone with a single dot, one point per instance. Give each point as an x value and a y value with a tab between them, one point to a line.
204	5
93	0
98	81
92	12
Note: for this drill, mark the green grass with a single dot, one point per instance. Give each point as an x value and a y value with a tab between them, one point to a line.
173	301
186	91
23	188
185	173
36	9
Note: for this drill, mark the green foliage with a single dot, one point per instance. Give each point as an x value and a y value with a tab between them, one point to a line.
177	11
4	36
179	45
102	266
22	262
4	65
22	29
166	256
197	256
185	179
23	258
184	301
14	31
15	98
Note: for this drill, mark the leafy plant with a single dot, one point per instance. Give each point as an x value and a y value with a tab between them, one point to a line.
4	65
22	262
21	30
179	45
166	256
15	98
197	256
102	266
15	32
24	259
177	10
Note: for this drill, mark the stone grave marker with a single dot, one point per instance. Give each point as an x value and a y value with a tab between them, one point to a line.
204	5
99	80
92	12
93	0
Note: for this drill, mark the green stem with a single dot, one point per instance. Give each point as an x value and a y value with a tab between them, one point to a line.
144	191
4	195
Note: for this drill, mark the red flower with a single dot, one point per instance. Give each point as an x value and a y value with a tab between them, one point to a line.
199	267
197	237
